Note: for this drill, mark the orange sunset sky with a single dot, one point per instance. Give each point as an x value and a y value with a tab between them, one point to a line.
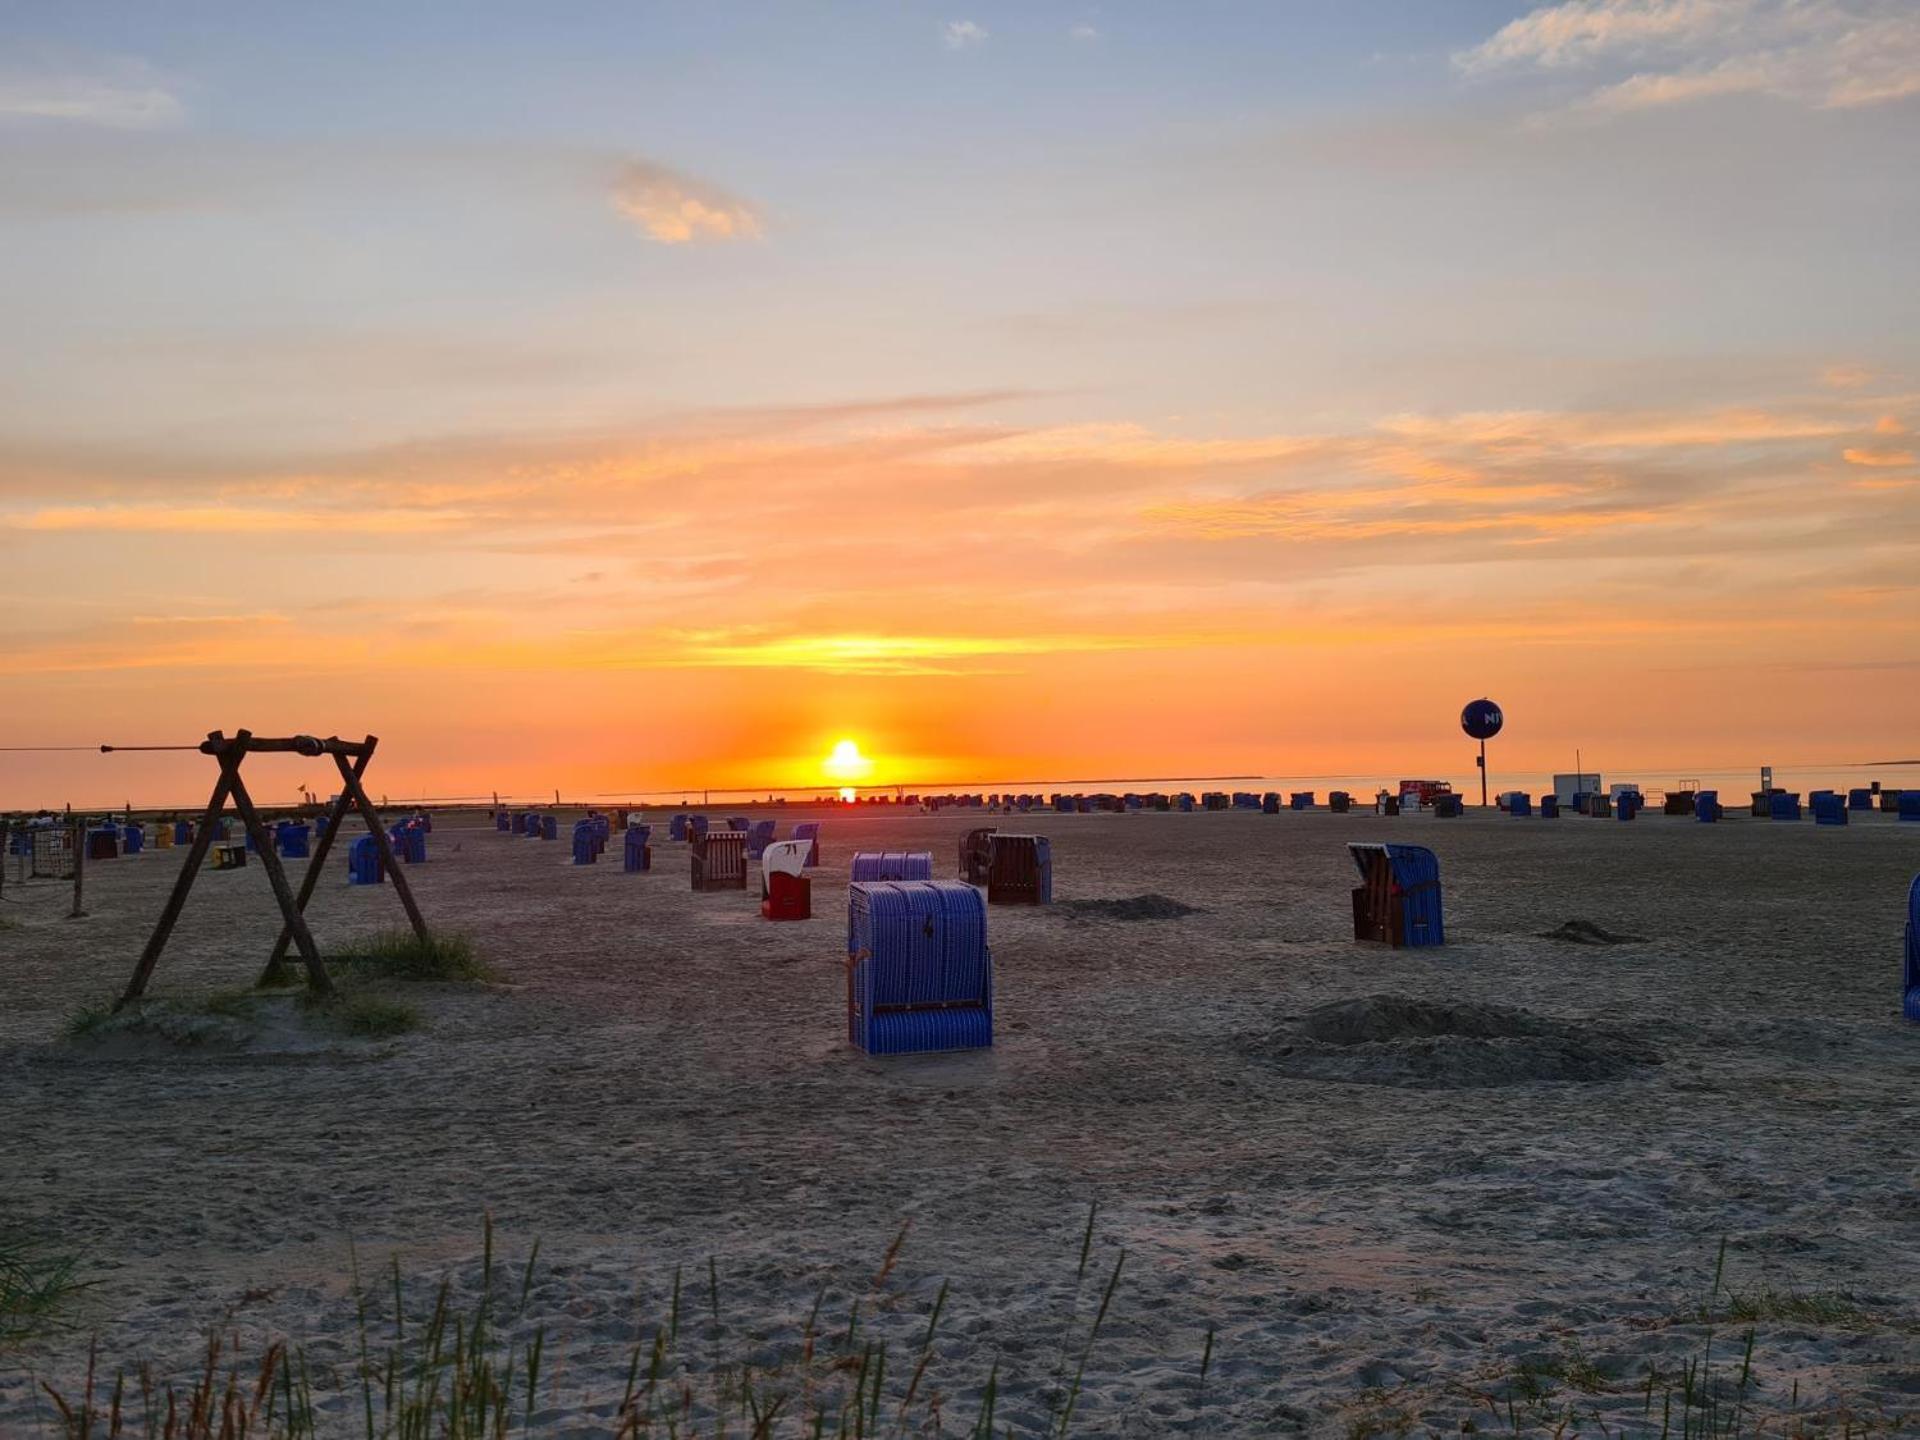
1024	390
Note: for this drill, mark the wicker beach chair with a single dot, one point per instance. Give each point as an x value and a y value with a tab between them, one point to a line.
785	891
876	865
636	856
919	973
1398	899
809	830
1910	971
1020	870
364	865
719	860
976	856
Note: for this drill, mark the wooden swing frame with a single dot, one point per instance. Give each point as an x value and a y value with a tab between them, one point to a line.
352	757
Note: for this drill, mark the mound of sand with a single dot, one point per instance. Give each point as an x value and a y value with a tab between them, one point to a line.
1132	908
1585	932
1421	1044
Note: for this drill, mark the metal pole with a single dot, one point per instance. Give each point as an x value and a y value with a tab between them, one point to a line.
1483	774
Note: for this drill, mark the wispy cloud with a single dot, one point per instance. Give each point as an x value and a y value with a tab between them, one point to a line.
115	94
675	209
1651	54
962	34
1084	31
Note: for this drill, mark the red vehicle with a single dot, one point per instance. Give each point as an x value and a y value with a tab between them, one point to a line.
1422	792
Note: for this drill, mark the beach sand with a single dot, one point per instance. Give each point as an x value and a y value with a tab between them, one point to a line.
1508	1181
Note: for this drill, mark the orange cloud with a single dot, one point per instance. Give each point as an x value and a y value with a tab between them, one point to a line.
1861	455
676	210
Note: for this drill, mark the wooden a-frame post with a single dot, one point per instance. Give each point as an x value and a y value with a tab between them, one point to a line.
230	753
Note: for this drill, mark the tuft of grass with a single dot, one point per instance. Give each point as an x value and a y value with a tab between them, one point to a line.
364	1012
402	955
1827	1310
34	1284
87	1021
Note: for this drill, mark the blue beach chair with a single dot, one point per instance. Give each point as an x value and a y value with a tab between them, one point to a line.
586	843
1706	807
1520	803
1829	807
1549	807
295	841
1909	805
364	866
1860	799
1910	973
677	828
879	865
1784	805
637	857
1398	899
759	836
809	830
919	973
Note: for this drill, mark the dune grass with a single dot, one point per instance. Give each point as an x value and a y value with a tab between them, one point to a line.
402	955
481	1371
35	1282
368	1013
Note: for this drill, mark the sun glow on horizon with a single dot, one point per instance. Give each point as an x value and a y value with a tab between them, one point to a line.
846	763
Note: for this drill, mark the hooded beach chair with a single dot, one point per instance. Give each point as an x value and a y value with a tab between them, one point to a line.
976	856
1300	800
103	843
809	831
1520	803
1397	901
586	843
1339	802
1910	970
919	973
133	839
697	827
1627	804
1859	799
637	856
760	835
1829	807
1447	806
183	832
785	891
1909	805
875	865
1270	803
742	823
677	828
502	822
229	855
719	860
1784	805
364	865
295	841
1706	807
1020	870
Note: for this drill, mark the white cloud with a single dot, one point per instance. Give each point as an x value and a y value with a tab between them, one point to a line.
960	34
119	95
1084	31
677	210
1648	54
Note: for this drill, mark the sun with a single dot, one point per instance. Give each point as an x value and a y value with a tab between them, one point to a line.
847	763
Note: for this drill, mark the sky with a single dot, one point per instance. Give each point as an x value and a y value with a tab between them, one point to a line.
622	396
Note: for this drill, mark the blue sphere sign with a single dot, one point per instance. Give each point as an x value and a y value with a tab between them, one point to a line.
1481	719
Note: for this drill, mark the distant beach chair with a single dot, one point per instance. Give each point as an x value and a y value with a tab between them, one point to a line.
785	891
1706	807
1398	899
183	832
809	830
1020	870
162	835
103	843
919	973
229	855
1270	803
1300	800
1184	803
697	826
877	865
742	823
719	860
1763	802
1339	802
1448	807
1829	807
586	844
502	822
1909	805
1784	805
1520	803
1860	799
364	865
759	836
1910	972
1626	804
976	856
677	828
638	854
549	827
295	841
133	839
1677	802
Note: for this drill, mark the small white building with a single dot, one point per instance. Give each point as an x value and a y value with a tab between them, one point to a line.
1565	787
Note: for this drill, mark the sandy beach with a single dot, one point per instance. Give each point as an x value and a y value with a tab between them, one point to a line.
1489	1200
